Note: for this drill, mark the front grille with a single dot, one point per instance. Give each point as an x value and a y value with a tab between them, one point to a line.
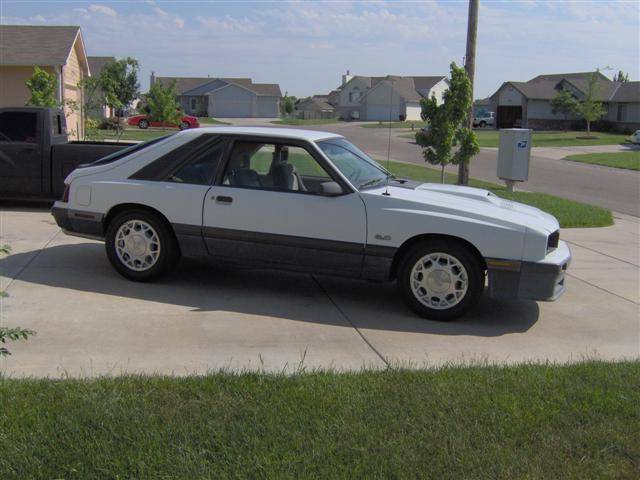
552	241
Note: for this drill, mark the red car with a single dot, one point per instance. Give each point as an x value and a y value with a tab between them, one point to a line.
143	121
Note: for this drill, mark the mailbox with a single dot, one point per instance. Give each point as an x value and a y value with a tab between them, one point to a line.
513	155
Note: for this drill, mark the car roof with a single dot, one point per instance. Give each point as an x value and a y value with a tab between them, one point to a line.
294	133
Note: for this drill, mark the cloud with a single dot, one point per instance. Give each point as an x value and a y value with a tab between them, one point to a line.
179	22
103	9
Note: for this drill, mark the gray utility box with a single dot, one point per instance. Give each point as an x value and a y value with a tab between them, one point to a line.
514	153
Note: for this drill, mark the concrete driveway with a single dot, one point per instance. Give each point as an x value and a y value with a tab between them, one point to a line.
91	321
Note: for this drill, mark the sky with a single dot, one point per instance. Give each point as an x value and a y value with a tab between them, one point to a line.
305	46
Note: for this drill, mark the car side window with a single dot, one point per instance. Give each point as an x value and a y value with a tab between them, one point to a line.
18	127
271	166
201	169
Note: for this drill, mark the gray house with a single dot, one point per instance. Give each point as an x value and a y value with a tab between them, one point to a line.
225	97
96	64
385	98
315	107
527	104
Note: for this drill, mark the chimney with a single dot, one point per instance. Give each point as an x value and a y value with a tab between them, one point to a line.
153	78
346	77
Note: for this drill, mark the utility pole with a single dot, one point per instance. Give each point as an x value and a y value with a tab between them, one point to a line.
470	67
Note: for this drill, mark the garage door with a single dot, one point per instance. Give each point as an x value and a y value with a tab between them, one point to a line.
231	108
382	113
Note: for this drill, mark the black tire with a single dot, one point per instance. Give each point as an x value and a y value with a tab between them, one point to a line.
183	125
474	270
169	251
483	124
143	124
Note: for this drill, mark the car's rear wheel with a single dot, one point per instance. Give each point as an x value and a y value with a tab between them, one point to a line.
140	245
440	280
143	124
183	125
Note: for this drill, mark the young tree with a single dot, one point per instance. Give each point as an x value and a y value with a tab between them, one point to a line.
162	103
591	109
287	104
119	83
42	86
621	77
447	124
564	103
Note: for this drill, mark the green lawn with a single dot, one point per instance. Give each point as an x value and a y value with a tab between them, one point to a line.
211	121
625	160
129	134
568	212
300	121
416	124
490	138
528	421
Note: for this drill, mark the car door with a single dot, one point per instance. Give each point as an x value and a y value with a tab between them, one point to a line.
20	153
267	208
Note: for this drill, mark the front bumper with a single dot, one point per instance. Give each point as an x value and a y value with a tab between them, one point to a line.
543	280
79	223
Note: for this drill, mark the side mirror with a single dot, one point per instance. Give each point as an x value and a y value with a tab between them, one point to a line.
330	189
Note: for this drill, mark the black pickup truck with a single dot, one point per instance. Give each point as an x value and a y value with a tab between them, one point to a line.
36	155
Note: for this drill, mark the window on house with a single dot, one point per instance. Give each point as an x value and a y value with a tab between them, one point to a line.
622	112
354	95
194	104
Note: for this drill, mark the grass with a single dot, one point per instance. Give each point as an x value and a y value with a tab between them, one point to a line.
211	121
624	160
490	138
129	134
527	421
417	124
300	121
568	212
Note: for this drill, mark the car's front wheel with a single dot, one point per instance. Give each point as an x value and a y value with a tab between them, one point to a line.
140	246
143	124
440	280
483	124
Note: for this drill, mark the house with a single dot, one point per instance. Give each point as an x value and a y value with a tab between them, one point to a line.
528	104
96	64
225	97
57	49
315	107
391	97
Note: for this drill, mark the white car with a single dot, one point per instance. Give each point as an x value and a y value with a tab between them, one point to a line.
312	202
635	138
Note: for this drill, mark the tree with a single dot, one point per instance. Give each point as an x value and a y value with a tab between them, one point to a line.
621	77
42	86
116	87
447	124
287	104
591	109
564	103
162	104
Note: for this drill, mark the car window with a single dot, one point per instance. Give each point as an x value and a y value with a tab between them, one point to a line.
202	168
274	167
353	163
18	127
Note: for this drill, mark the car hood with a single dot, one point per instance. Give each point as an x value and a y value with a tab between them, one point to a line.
473	203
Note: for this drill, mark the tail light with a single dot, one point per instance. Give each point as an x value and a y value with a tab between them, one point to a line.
65	194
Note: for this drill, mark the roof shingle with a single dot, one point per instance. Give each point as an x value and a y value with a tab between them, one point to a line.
36	44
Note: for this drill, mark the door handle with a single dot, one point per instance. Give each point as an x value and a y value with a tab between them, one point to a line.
223	199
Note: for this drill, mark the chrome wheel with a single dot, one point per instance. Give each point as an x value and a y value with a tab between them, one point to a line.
439	281
137	245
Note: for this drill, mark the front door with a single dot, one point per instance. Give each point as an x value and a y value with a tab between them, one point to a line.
20	154
267	209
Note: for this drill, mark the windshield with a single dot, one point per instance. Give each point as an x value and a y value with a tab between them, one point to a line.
118	154
353	163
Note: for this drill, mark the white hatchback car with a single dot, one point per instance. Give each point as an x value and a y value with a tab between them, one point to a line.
312	202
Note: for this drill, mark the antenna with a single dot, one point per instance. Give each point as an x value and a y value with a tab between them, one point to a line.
386	186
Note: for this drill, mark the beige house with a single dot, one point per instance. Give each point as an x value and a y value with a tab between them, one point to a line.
56	49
